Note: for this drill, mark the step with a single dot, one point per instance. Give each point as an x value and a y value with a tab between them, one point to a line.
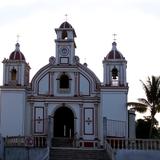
63	153
62	142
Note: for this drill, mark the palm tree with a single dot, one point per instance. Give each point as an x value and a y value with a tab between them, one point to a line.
152	101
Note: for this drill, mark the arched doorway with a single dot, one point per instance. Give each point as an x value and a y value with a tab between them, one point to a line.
63	122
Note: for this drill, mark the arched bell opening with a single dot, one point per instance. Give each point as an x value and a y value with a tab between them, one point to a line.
13	74
115	77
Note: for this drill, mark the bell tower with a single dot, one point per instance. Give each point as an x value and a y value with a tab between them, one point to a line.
114	94
15	69
65	44
13	94
114	68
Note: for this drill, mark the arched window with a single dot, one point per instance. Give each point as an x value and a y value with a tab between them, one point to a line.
64	81
114	73
13	74
64	35
115	78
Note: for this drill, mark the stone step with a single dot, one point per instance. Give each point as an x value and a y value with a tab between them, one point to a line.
62	142
61	153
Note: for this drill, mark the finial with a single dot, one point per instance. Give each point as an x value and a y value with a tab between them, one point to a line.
66	15
18	38
114	37
85	64
17	47
17	44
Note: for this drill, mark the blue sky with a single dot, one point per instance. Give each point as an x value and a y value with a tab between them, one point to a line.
136	23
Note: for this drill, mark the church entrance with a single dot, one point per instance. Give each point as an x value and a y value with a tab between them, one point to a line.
63	122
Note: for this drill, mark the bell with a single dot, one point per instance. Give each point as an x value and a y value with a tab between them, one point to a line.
114	73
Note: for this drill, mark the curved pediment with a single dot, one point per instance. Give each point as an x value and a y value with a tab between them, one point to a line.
73	80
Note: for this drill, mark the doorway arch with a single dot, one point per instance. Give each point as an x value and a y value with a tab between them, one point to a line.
63	122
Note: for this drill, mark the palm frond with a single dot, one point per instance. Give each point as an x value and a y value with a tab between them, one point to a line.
144	101
147	89
152	89
139	107
158	108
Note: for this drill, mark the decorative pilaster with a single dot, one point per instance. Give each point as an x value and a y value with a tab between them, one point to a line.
32	118
45	117
81	120
96	119
51	84
76	84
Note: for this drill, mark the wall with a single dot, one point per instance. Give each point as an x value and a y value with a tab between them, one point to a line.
12	104
137	155
1	146
114	105
114	109
23	153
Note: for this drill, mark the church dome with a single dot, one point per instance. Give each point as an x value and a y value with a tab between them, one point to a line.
65	25
17	54
114	53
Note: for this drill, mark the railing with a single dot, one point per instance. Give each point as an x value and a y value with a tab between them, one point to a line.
40	141
134	144
109	150
115	128
28	141
15	141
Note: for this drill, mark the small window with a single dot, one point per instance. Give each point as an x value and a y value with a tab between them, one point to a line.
13	74
64	82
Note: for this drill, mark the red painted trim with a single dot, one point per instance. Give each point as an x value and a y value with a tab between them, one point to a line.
88	144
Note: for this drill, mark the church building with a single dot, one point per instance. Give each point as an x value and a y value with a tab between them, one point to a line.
65	98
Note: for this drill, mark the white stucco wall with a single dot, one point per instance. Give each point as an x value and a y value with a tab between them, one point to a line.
12	112
84	85
137	155
43	86
114	109
114	105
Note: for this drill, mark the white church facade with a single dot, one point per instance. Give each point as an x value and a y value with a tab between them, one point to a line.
65	98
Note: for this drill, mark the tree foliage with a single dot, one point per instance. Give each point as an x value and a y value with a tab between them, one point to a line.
143	128
151	102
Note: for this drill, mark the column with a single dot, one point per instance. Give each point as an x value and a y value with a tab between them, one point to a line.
75	82
121	75
124	74
96	120
81	120
32	118
45	117
49	132
107	75
132	124
51	83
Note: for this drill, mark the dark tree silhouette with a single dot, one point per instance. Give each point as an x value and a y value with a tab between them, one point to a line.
152	101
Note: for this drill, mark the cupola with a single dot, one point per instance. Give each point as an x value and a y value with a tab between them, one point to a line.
114	53
17	54
16	69
114	65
